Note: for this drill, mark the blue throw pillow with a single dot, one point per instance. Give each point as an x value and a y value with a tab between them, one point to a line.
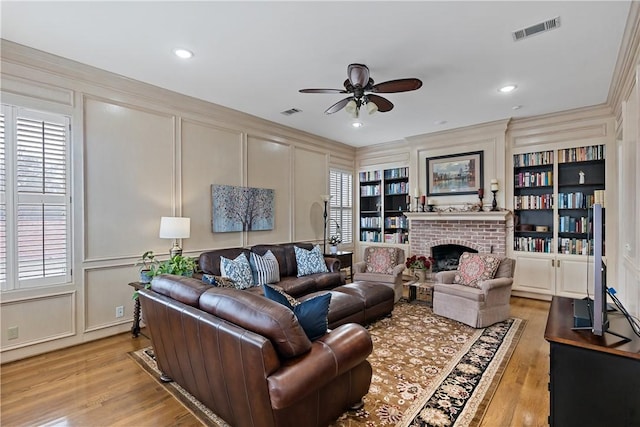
311	314
237	270
310	262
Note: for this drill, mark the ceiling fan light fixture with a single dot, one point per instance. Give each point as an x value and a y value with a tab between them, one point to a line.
371	107
351	108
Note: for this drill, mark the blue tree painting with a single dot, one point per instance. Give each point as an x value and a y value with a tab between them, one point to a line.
241	208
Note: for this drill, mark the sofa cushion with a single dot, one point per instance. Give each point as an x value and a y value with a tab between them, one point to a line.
209	261
260	315
311	313
474	268
264	268
380	259
310	262
237	270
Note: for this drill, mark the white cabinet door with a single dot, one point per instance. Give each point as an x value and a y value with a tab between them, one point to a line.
574	277
534	273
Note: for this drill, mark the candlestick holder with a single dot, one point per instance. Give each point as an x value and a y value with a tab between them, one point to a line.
417	204
494	204
431	208
480	196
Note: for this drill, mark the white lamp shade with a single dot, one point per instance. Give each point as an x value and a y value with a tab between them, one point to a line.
175	227
371	107
351	108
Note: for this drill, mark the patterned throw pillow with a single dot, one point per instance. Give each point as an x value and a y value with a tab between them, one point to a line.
311	313
219	281
310	262
237	270
380	260
265	268
474	268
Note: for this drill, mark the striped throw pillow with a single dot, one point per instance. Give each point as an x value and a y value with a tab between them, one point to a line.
265	268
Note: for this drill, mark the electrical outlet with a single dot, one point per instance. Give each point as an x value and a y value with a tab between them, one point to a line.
12	332
120	311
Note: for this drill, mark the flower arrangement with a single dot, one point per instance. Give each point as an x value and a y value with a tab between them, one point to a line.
335	239
419	262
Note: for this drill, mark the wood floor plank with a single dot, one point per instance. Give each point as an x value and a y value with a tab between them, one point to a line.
98	384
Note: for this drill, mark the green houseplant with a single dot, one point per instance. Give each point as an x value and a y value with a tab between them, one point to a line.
147	263
178	265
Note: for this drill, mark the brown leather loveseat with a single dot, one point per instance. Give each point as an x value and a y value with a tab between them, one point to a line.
247	359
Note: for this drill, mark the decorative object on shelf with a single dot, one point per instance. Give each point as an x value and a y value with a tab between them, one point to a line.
334	241
581	179
325	198
431	205
481	196
175	228
494	190
422	203
454	174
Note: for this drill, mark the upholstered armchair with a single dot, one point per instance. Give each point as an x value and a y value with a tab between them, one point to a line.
382	264
478	293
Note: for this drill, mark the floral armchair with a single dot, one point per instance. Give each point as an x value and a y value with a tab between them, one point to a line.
382	264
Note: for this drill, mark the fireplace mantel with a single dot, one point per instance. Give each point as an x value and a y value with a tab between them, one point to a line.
458	216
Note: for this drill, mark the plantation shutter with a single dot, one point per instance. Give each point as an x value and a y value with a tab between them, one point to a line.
36	228
341	204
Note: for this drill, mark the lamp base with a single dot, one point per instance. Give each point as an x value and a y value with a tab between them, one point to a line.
175	249
494	204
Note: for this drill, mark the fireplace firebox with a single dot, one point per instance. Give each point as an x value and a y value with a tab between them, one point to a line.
446	256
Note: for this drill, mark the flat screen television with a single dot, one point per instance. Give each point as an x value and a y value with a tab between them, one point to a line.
600	321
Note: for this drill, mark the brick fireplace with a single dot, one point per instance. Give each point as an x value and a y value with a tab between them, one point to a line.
485	232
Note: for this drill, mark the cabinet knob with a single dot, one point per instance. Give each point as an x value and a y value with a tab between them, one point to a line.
553	263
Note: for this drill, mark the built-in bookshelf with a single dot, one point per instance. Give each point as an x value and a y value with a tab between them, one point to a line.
554	217
384	197
533	201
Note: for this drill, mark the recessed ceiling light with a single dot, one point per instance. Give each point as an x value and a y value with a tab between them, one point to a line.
516	107
183	53
440	122
507	88
357	124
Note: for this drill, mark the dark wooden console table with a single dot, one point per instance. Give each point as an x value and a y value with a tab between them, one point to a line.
135	328
594	380
346	261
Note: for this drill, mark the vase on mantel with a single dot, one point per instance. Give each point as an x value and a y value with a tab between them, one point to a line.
333	249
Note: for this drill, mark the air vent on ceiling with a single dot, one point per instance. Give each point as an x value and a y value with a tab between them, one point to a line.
291	111
536	29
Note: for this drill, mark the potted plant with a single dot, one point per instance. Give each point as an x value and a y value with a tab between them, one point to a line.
419	265
333	243
178	265
146	263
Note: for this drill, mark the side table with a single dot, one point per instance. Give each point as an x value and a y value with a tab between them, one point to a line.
346	261
135	328
427	287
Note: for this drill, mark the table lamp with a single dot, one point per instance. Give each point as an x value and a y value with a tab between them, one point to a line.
175	228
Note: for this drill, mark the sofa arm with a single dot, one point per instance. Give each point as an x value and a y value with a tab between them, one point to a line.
332	355
333	264
487	285
397	270
359	267
445	276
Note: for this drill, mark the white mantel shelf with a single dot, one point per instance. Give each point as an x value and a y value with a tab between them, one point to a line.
458	216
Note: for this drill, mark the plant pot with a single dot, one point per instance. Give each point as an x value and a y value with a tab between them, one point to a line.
420	275
145	276
333	249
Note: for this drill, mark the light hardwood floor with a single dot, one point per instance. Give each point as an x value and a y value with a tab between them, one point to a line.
98	384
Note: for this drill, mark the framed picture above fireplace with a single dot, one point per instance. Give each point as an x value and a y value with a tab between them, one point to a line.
455	174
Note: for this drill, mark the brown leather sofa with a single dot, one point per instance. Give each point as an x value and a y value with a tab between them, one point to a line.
360	302
247	359
209	263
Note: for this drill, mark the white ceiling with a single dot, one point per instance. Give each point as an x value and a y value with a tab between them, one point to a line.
254	56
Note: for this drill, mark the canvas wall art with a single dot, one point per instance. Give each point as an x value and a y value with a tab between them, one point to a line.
241	208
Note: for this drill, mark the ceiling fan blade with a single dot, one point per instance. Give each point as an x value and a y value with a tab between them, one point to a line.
383	104
400	85
322	91
338	105
358	74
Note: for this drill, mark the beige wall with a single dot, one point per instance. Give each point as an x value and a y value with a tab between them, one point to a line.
139	153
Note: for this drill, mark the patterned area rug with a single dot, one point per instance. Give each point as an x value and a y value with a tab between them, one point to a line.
427	371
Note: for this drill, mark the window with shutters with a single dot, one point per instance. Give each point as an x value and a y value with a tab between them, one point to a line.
35	237
341	204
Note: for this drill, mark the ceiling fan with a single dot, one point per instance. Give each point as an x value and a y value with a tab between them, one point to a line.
363	91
